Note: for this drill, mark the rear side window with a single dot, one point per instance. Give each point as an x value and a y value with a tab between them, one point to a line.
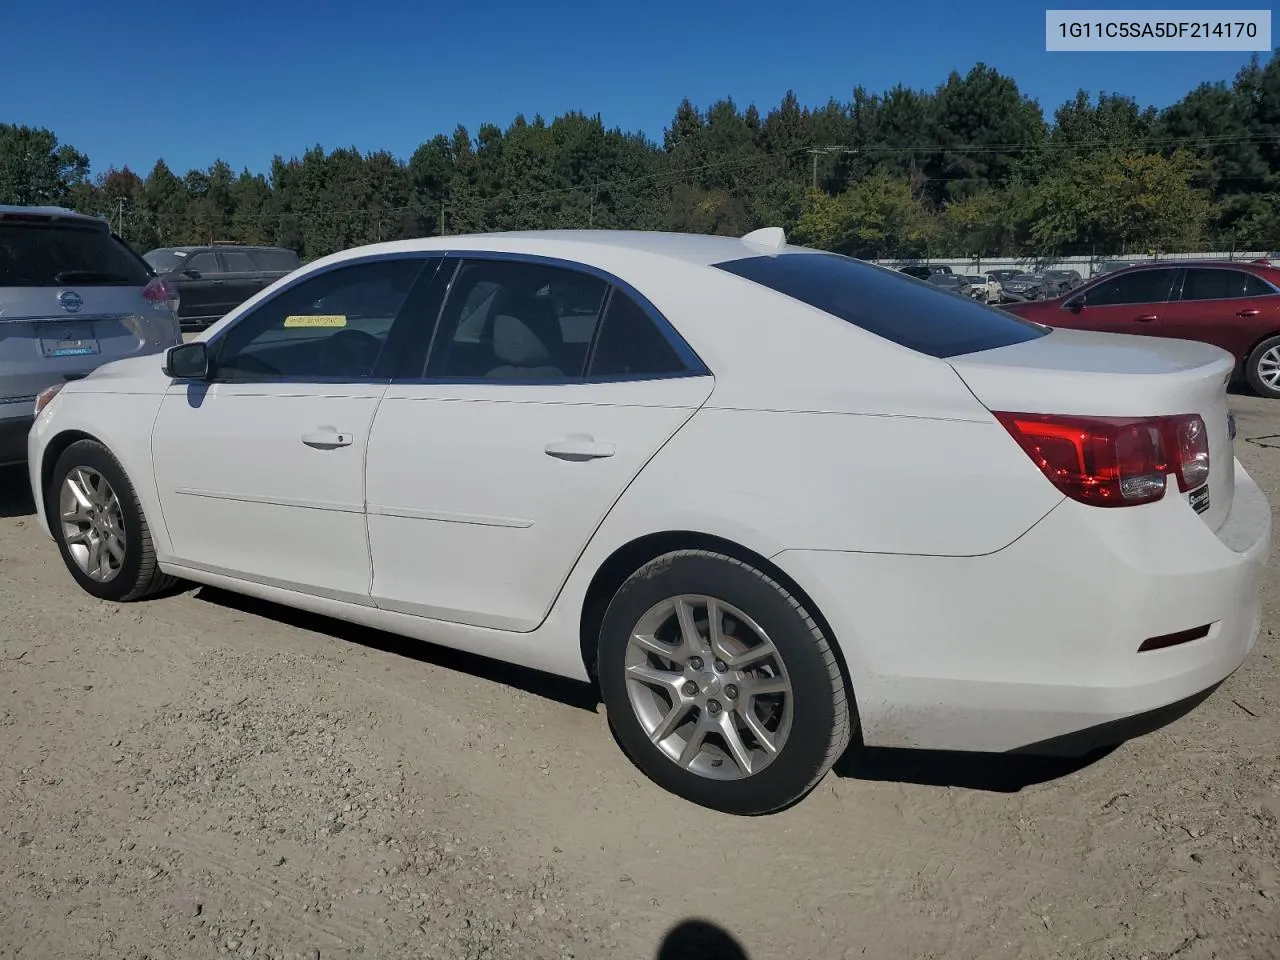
275	260
630	345
238	261
919	316
1222	284
54	254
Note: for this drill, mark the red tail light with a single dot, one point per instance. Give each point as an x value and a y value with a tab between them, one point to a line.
1114	461
161	294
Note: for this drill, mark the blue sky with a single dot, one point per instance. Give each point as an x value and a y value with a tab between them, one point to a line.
130	81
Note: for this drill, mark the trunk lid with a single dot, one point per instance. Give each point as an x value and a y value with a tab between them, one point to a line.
1115	375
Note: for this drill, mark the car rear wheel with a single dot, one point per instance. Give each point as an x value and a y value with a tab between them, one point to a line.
1262	369
98	524
719	685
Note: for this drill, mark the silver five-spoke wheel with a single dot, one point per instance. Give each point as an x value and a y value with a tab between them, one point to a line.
1269	368
92	524
708	687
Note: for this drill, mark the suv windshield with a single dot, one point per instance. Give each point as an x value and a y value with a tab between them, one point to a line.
884	302
165	261
49	254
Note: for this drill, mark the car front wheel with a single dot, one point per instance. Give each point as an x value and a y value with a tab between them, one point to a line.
1262	368
720	685
98	525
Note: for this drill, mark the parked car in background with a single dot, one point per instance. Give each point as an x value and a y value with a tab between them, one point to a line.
1004	274
72	297
1028	286
1067	280
984	287
1111	266
580	512
951	282
922	271
214	280
1235	306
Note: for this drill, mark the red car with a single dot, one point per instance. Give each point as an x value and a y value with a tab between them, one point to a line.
1235	306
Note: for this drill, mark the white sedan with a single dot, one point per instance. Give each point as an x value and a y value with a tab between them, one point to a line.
770	499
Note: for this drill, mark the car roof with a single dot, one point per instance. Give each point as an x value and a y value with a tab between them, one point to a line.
189	248
1259	269
691	248
53	213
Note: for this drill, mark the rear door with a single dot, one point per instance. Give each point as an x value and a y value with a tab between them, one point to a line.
241	279
546	391
1127	303
1225	306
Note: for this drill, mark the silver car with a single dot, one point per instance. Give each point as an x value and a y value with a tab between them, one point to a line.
72	297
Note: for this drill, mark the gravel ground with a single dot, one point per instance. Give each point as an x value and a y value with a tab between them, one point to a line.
207	776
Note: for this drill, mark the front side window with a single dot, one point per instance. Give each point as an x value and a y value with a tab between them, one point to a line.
1141	286
920	316
330	326
203	263
1222	284
510	320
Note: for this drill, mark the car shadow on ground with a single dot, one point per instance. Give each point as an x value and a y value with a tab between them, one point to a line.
15	493
990	772
569	692
695	939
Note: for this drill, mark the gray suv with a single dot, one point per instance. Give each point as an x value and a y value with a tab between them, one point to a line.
72	297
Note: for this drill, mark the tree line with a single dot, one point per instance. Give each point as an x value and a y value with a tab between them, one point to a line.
970	168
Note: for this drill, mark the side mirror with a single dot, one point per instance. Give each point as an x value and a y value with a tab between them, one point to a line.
1076	305
187	361
191	274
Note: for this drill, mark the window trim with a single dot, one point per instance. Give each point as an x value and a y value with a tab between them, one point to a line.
1228	269
693	364
384	369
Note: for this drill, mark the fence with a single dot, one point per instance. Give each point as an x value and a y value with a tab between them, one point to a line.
1085	265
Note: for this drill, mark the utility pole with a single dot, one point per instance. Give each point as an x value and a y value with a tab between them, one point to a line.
815	151
442	218
120	218
591	213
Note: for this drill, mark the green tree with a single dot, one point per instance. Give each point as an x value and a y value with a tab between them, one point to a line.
35	168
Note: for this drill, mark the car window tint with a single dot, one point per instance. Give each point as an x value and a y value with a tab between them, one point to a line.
204	262
165	261
919	316
47	254
330	326
278	261
510	320
1141	286
237	261
1223	284
630	343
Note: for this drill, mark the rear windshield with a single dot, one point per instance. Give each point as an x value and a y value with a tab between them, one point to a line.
52	254
887	303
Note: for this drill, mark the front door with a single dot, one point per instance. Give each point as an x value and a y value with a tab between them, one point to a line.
490	468
260	469
1128	303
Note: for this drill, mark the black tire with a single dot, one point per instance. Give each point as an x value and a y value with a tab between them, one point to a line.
822	719
139	575
1252	370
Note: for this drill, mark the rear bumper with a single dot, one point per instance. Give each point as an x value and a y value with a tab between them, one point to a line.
13	437
1036	646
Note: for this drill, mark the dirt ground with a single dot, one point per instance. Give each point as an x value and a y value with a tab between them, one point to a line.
204	776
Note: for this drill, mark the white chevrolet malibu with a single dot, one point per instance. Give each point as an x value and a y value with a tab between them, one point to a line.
768	498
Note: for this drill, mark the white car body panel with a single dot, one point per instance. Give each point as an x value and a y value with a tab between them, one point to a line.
471	521
974	606
243	495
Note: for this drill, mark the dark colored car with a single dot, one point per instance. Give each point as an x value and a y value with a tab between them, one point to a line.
1003	274
216	279
1235	306
951	282
1029	286
922	271
1067	280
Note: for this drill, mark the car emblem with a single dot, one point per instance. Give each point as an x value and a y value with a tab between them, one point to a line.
70	301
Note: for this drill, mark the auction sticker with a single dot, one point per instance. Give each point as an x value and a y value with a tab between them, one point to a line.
316	320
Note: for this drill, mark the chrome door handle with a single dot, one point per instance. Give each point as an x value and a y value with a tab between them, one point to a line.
1146	318
577	447
1247	313
326	438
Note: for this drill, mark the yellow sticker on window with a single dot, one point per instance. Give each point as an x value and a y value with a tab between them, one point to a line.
316	320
